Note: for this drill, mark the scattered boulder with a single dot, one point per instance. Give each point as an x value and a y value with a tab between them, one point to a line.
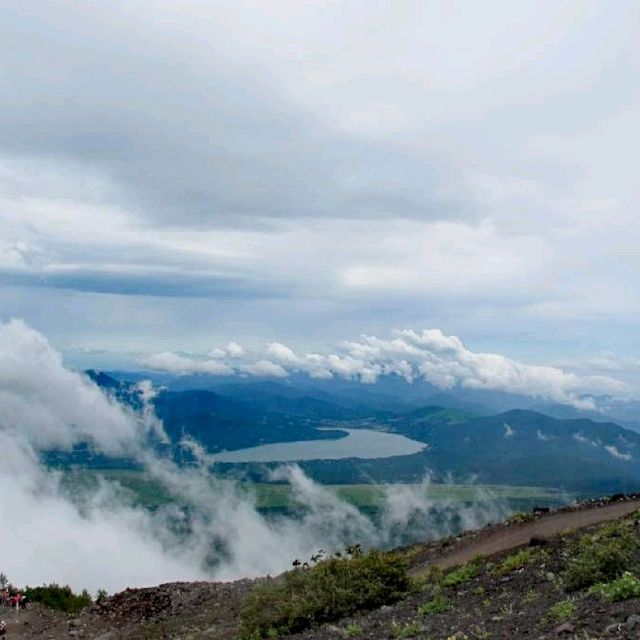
633	622
613	628
538	541
564	628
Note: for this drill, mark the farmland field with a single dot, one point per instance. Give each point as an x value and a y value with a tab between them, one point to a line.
146	491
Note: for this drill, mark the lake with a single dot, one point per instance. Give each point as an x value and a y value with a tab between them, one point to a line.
359	443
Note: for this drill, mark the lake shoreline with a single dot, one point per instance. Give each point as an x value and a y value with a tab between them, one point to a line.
359	443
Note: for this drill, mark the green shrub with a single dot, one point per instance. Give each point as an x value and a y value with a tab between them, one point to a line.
325	592
515	561
407	630
353	630
437	605
432	577
625	587
562	611
61	598
615	529
599	558
519	517
462	574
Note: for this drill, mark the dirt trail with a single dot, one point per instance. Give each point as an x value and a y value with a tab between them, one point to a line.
495	541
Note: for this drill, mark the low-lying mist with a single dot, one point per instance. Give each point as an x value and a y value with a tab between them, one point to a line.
99	538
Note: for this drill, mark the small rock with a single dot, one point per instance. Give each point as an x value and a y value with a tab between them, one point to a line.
540	510
632	621
550	576
565	627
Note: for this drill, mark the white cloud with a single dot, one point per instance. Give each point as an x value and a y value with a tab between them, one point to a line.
264	368
35	390
234	350
578	437
176	363
613	450
440	359
283	354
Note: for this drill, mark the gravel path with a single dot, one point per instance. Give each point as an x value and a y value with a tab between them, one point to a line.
495	541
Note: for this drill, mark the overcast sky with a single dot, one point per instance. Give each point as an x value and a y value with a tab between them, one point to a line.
176	175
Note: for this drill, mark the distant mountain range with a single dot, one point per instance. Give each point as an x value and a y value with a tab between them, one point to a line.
390	393
518	446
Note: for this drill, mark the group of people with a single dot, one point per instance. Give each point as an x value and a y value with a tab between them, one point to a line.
14	600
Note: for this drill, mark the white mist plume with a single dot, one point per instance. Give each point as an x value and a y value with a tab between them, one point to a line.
52	406
96	538
101	544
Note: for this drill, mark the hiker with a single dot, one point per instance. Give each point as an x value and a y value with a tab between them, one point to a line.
3	628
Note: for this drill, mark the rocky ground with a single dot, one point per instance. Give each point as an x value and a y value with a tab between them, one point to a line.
516	590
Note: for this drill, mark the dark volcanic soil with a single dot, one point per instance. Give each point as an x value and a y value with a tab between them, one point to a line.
489	605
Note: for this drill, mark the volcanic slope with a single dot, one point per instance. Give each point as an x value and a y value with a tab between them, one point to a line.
569	573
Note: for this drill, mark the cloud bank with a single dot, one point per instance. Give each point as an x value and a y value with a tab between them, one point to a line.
96	537
430	355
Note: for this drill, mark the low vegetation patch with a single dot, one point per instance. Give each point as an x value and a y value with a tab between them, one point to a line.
515	561
601	557
353	631
407	630
439	604
625	587
60	598
519	517
562	611
462	574
324	592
